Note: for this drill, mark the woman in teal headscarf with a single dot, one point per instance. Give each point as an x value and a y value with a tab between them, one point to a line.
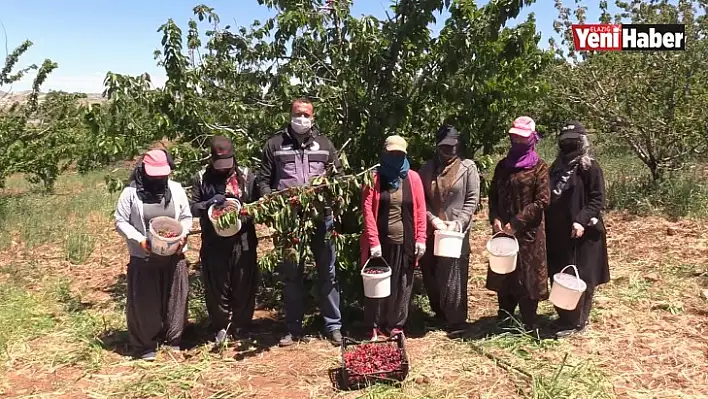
394	229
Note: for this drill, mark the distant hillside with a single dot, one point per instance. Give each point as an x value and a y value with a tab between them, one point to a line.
21	96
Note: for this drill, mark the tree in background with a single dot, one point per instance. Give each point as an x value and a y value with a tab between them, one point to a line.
37	137
368	77
654	101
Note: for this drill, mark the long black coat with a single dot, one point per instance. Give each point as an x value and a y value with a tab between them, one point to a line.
583	199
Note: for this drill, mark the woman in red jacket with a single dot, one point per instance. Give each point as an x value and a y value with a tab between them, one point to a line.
394	228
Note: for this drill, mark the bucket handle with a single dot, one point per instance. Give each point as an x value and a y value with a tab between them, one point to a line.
577	275
370	258
458	229
506	234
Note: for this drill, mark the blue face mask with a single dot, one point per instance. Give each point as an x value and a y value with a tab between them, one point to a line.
393	160
394	167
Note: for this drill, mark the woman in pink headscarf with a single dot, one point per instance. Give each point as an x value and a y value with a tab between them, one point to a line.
518	196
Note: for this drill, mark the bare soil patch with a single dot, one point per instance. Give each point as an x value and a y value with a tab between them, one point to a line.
648	334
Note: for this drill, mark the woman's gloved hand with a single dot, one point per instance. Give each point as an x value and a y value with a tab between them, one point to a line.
509	229
145	245
181	244
578	230
438	224
376	252
218	199
497	226
453	226
419	250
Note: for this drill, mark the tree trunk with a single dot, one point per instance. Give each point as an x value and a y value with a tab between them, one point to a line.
657	173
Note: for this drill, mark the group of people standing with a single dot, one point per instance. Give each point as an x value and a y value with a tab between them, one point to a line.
401	211
555	214
158	285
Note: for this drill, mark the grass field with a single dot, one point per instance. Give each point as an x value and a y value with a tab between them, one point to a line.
63	334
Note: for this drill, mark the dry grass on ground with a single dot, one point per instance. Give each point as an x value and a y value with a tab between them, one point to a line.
62	328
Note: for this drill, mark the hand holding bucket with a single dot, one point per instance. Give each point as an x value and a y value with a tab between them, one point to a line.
503	253
376	276
566	289
165	246
231	230
448	242
453	226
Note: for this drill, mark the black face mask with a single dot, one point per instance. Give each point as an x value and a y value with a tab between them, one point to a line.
155	184
222	174
447	153
569	146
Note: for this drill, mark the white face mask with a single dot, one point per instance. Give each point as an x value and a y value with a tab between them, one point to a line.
301	124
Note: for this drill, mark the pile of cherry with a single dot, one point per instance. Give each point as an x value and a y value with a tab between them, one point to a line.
374	271
166	233
223	210
373	358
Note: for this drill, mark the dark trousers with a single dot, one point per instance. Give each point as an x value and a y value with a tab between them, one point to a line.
578	317
528	308
156	308
392	312
230	275
445	281
294	291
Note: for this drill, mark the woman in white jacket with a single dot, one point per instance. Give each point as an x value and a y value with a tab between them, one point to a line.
158	286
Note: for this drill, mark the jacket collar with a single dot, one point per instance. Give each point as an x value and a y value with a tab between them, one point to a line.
290	136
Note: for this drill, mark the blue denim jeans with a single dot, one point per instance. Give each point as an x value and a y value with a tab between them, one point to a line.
294	291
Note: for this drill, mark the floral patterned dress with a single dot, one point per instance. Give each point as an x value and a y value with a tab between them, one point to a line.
520	197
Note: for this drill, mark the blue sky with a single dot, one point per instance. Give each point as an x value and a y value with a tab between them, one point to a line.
89	38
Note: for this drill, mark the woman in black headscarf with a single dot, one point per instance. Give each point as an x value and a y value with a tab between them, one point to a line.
574	227
451	184
157	285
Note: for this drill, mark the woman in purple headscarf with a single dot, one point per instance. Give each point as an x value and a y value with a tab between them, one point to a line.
518	197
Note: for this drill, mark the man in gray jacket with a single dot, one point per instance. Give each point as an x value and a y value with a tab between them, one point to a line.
291	158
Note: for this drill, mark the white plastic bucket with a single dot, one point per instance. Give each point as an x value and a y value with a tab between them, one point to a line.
376	285
448	243
231	230
503	252
161	245
567	289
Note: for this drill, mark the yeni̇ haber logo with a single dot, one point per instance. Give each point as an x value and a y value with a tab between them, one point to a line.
643	37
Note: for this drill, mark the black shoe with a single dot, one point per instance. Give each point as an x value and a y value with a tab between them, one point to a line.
456	328
289	340
435	321
531	329
557	325
565	333
149	356
240	333
335	336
